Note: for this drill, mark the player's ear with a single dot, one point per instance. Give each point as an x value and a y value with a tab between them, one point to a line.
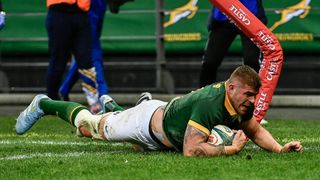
230	88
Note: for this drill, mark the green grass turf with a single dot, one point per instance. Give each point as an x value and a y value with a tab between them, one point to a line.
51	150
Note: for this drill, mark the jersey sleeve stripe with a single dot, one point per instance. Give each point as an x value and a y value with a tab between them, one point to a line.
199	126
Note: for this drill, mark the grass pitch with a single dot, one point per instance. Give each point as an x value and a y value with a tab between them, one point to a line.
51	150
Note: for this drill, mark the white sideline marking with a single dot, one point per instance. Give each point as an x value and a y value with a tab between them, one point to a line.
66	143
78	154
29	156
32	134
48	155
308	148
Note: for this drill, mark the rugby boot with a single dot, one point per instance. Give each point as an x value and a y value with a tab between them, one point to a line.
109	105
145	96
30	115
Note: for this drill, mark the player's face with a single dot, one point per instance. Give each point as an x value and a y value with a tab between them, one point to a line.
242	97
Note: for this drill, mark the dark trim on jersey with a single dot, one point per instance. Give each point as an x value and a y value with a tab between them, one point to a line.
154	138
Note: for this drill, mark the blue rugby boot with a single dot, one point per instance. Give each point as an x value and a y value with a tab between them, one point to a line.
30	115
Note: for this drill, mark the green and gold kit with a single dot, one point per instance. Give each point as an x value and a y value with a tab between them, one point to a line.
203	109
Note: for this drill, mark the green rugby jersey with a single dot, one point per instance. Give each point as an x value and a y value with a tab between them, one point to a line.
203	109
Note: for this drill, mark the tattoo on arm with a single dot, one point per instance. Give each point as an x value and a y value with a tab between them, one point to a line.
192	134
195	142
219	149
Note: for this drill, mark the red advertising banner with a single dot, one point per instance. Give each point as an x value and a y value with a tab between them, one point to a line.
269	45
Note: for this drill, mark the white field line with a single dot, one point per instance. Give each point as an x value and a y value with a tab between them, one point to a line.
29	135
315	140
78	154
32	134
50	155
29	156
306	148
59	143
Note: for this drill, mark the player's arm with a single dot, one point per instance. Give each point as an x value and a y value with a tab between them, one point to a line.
195	144
260	136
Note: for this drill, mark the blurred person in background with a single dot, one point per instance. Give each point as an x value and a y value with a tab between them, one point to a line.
222	33
96	17
69	32
114	5
2	16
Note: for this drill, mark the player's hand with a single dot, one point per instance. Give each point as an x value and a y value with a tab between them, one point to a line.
240	140
2	20
292	146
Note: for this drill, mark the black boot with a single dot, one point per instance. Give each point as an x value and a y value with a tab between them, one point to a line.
114	5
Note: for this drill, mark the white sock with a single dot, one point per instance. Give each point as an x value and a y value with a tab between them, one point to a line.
85	116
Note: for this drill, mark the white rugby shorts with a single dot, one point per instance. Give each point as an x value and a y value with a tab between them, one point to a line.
132	125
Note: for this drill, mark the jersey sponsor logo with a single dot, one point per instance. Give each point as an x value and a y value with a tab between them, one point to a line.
240	14
266	39
272	70
300	9
188	11
261	104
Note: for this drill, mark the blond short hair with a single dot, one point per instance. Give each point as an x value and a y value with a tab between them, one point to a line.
246	75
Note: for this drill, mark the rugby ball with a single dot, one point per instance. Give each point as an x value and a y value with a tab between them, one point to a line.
221	135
